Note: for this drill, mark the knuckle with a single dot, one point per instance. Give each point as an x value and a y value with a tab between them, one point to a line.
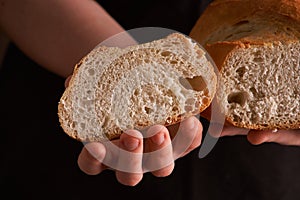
164	172
129	179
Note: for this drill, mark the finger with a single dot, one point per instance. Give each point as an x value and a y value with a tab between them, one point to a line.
230	130
220	130
67	81
188	137
158	147
284	137
130	158
91	157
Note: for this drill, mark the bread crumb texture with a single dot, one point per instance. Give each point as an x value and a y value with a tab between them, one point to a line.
261	86
255	45
114	89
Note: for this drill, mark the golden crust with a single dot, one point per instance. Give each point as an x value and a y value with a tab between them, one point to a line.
224	13
295	125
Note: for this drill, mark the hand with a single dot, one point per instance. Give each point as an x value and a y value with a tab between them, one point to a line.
137	154
284	137
256	137
92	157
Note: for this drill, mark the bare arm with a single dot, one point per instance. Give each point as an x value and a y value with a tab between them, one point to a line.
57	33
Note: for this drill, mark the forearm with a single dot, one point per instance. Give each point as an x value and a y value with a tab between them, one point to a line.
56	33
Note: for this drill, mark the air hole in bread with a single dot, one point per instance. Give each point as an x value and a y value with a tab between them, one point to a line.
80	110
169	120
175	109
148	110
238	97
205	100
274	60
91	72
241	71
236	118
136	92
196	83
165	53
74	124
82	126
258	59
257	53
256	94
173	62
206	92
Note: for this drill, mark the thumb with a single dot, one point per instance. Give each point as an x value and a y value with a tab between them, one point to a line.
284	137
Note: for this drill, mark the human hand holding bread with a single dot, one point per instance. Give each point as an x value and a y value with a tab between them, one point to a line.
119	101
256	108
92	155
72	29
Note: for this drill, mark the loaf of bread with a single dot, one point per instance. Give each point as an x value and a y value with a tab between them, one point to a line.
114	89
255	45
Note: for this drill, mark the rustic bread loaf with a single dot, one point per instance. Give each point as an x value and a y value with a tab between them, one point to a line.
255	45
114	89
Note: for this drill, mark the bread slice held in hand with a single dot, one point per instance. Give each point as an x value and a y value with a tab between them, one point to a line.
256	47
114	89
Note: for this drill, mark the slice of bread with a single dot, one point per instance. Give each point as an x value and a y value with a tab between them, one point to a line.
255	45
114	89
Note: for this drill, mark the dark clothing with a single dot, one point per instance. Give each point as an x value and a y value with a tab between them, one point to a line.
39	161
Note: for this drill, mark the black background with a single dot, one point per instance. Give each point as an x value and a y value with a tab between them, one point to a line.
39	161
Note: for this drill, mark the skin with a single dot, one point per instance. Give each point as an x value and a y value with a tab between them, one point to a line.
258	137
46	30
91	165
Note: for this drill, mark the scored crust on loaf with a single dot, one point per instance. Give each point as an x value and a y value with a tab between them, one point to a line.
114	89
255	45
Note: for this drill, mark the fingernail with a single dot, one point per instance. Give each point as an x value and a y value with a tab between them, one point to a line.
158	139
131	143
